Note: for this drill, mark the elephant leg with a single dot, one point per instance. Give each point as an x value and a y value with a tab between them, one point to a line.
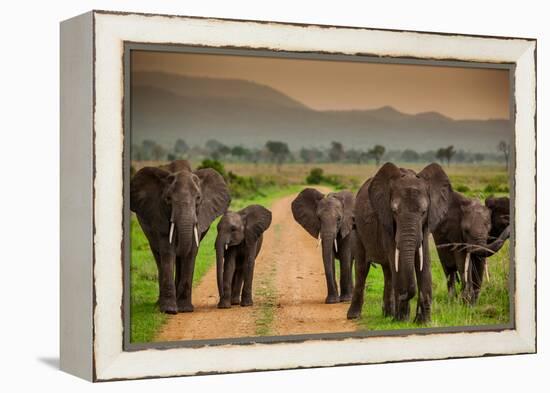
447	262
361	272
328	262
185	285
479	265
248	273
346	286
228	273
237	283
424	280
167	288
156	255
388	306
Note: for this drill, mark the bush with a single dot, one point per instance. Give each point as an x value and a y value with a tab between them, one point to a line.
315	176
462	188
214	164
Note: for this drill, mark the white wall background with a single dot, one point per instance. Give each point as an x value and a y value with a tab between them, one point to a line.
29	197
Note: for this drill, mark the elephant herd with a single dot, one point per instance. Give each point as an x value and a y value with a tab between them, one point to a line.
387	222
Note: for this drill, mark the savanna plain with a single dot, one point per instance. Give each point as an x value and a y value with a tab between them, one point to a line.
289	286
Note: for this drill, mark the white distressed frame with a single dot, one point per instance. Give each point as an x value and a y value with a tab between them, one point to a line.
112	30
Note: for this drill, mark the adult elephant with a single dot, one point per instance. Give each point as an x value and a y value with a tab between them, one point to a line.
462	240
394	213
238	243
330	219
175	207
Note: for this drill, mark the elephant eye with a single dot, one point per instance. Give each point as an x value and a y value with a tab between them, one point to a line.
168	199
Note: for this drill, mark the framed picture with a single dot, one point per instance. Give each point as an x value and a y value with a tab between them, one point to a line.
246	195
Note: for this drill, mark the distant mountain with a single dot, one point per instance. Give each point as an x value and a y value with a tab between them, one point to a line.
166	107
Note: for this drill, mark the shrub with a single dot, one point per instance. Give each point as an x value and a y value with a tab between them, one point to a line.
214	164
462	188
492	188
315	176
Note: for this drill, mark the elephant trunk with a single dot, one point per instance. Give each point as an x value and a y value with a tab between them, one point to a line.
405	261
220	252
185	228
492	248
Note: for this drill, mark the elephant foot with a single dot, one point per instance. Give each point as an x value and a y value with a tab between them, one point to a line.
331	299
246	303
387	312
345	298
403	312
354	312
422	318
186	308
235	301
168	306
224	303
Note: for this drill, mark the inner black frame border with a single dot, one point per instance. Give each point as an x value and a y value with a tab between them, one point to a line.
130	46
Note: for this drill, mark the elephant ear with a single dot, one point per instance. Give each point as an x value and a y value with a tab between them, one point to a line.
146	188
379	194
257	219
440	190
215	197
304	210
348	201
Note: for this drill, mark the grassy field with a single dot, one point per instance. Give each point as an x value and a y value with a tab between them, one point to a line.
145	318
473	181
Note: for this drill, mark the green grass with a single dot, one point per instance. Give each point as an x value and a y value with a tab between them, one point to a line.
266	295
145	318
493	305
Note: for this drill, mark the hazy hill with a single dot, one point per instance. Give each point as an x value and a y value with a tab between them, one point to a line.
166	107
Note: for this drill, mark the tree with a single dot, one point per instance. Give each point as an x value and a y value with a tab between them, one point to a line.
240	152
158	152
377	152
409	155
445	154
505	149
307	155
180	147
278	152
336	152
479	157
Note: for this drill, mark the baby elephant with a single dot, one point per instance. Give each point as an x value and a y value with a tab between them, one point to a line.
238	243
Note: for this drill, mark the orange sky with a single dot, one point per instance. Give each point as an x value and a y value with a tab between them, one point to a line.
460	93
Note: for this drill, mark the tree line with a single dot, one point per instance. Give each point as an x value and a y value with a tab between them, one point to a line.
278	152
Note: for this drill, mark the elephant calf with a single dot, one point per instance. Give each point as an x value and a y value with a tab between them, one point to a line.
330	219
463	245
238	243
500	214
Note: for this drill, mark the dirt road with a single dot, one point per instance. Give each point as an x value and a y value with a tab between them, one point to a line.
289	292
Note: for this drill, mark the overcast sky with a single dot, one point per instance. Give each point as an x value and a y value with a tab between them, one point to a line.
459	93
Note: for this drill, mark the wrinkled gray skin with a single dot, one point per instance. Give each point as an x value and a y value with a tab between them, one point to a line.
238	243
500	215
189	199
330	219
463	240
396	210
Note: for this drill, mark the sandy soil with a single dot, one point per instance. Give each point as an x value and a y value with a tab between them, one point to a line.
289	275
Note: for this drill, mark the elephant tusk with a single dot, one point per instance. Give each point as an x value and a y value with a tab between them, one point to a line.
335	245
226	246
466	267
487	272
319	241
171	232
196	236
396	259
421	257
